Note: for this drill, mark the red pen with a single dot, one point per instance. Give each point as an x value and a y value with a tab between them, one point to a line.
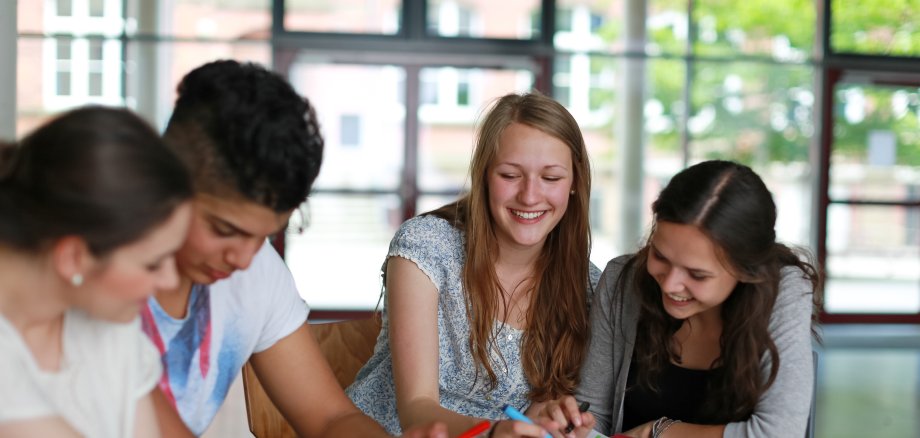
475	430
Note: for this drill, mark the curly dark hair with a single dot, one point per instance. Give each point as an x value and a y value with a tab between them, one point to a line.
732	206
241	129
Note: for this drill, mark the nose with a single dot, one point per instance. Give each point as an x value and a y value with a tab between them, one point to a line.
672	281
241	255
529	192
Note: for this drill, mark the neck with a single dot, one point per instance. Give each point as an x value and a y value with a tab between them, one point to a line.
33	299
32	294
517	258
175	301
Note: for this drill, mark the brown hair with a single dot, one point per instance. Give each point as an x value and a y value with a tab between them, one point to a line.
556	335
99	173
729	204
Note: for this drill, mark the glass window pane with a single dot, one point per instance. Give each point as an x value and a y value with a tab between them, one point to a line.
350	130
95	50
876	151
64	49
64	8
336	259
760	115
592	25
343	16
667	27
96	8
871	27
446	127
873	259
95	84
155	69
512	19
779	29
366	92
212	19
63	83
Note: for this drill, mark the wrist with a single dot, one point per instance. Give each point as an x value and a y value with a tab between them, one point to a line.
660	426
492	429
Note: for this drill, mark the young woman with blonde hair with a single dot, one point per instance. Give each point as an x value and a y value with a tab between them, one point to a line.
486	298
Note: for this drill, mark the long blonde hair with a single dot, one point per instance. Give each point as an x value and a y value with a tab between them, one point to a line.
556	335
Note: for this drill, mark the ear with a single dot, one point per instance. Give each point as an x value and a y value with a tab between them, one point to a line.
70	257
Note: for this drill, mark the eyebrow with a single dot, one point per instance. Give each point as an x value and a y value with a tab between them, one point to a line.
227	223
696	271
509	163
239	230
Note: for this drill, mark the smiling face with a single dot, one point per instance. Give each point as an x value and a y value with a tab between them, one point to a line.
224	236
118	285
529	184
684	263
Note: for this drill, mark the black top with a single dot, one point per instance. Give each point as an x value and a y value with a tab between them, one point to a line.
681	392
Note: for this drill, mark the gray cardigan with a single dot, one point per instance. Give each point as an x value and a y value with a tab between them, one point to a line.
782	410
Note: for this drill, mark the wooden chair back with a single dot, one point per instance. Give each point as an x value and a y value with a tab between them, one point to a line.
347	345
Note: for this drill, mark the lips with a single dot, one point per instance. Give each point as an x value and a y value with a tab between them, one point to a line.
216	275
678	300
527	216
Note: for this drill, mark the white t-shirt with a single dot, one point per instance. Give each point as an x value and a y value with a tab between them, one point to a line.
225	323
105	369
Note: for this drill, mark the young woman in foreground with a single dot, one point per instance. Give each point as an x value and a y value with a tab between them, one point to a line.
92	208
706	331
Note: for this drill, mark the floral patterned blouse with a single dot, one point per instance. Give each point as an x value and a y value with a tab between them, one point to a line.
436	248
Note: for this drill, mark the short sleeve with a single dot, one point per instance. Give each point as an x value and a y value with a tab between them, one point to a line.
433	244
272	286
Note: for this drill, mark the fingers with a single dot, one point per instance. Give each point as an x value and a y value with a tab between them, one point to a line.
566	413
587	420
512	428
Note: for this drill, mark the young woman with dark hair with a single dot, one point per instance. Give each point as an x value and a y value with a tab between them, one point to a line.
92	208
487	297
707	330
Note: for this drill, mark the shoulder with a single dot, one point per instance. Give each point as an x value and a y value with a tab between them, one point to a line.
594	274
114	336
426	236
267	273
427	227
615	269
794	287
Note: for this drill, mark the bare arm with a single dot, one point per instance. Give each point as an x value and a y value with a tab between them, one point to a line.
145	417
300	383
167	418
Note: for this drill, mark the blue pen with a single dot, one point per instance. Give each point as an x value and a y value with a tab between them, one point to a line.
515	414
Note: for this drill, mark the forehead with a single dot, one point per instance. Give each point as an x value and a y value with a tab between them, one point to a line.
520	142
686	245
249	216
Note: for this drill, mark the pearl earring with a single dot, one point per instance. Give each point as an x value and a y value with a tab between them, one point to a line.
76	280
572	192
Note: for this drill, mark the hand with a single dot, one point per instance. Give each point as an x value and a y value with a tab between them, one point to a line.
640	431
520	429
432	430
565	412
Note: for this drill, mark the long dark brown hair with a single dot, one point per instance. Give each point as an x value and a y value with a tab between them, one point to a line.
99	173
729	204
553	349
